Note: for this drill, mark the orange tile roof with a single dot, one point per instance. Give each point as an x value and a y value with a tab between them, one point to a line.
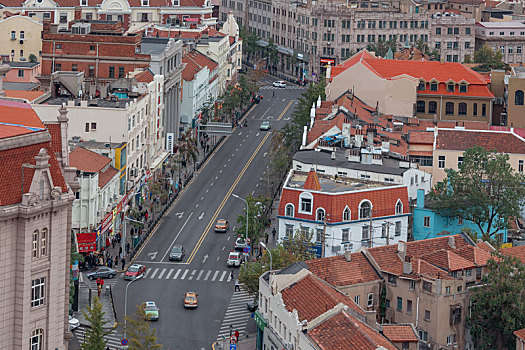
312	297
106	176
88	161
460	140
342	331
520	334
338	272
312	181
56	136
448	260
191	68
26	95
18	118
145	77
476	254
400	333
195	62
518	252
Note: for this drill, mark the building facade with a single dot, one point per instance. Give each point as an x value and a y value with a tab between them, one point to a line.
453	37
20	39
507	37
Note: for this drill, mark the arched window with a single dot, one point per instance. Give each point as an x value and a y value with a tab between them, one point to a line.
37	339
306	203
365	209
289	210
462	108
420	106
346	214
432	107
399	207
449	108
518	97
320	214
35	244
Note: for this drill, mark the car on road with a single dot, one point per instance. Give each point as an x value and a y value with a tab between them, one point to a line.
73	323
100	272
234	259
252	305
265	126
240	244
279	84
177	252
135	271
222	225
190	300
151	310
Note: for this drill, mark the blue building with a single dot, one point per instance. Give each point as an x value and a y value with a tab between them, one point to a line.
428	223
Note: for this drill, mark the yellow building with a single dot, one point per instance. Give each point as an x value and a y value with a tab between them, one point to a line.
20	37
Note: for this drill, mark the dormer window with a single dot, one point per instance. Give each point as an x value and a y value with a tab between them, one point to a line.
145	2
463	88
421	86
176	3
433	86
365	210
83	2
450	87
305	203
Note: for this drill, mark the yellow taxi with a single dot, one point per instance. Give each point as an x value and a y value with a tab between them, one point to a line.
190	300
222	225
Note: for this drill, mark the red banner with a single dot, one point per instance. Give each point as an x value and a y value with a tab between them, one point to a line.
87	242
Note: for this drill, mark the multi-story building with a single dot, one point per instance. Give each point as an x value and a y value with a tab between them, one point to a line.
231	28
507	37
20	39
35	226
342	215
216	46
453	37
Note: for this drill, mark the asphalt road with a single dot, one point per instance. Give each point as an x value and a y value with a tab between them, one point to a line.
236	167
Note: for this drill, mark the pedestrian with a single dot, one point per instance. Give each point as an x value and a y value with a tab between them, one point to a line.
237	286
113	242
110	263
127	248
231	275
273	94
120	251
266	239
274	232
123	261
116	261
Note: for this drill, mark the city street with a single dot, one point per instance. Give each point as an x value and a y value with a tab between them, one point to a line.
236	168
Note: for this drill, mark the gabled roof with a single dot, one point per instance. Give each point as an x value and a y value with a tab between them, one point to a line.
460	140
520	334
88	161
18	118
312	297
475	254
106	176
448	260
24	94
518	252
195	62
400	333
421	137
56	136
145	76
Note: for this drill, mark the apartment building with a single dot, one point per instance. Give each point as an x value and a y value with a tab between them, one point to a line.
453	37
507	37
20	38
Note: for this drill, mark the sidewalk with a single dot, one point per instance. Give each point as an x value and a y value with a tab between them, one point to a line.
83	302
245	343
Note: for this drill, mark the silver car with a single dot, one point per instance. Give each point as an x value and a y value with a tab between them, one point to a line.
100	272
265	126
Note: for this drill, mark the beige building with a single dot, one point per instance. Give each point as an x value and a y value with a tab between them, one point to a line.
21	37
453	37
507	37
35	230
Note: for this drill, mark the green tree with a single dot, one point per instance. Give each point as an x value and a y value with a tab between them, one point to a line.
279	159
249	42
257	218
95	333
435	55
422	46
293	132
381	48
498	306
32	58
485	190
140	335
75	256
188	147
272	54
489	59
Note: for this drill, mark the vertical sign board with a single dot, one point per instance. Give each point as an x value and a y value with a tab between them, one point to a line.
169	142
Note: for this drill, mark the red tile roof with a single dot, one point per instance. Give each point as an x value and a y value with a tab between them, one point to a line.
421	137
400	333
18	118
56	136
520	334
518	252
88	161
337	271
191	68
460	140
475	254
106	176
312	297
23	94
312	181
342	331
448	260
195	62
145	77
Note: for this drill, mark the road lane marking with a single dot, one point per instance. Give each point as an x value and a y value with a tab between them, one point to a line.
220	172
192	275
177	236
147	272
256	185
154	273
229	159
229	236
228	194
196	206
184	274
253	192
218	258
266	112
211	184
200	274
215	276
222	276
207	190
169	273
161	274
207	275
202	198
223	247
177	274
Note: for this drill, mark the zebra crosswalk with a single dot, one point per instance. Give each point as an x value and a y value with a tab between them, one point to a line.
237	315
107	282
289	87
112	340
188	274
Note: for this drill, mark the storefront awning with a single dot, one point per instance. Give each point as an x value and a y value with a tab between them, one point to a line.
87	242
158	161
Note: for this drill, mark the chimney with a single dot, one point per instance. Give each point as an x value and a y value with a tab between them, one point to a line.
402	250
348	256
312	116
370	139
407	267
46	26
452	242
63	120
305	134
319	101
78	13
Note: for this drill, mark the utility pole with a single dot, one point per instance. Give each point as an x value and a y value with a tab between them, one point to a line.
323	237
387	233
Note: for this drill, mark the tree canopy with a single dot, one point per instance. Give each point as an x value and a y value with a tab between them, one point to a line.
489	59
249	42
498	307
257	217
140	335
485	190
95	333
381	47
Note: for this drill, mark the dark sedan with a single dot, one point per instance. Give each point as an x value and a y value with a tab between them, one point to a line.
177	252
100	272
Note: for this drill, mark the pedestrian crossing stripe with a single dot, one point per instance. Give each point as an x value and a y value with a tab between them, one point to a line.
271	87
237	315
112	340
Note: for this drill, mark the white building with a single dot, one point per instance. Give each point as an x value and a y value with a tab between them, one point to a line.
343	214
231	28
99	188
216	46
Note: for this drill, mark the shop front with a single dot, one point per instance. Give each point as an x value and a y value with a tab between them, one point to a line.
261	324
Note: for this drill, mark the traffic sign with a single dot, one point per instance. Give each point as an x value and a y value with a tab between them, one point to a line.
233	346
246	250
124	342
233	339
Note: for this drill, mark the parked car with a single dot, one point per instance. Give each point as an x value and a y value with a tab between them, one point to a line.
190	300
234	259
135	271
265	126
73	323
151	310
177	252
252	305
279	84
240	244
222	225
100	272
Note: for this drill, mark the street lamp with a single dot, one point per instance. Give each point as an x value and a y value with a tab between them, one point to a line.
126	305
269	252
244	200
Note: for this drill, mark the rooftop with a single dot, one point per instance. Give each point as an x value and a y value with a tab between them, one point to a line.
23	64
18	118
503	25
88	161
460	140
328	184
99	145
400	333
520	334
113	102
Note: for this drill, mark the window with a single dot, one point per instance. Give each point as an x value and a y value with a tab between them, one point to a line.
387	303
91	71
121	72
320	214
438	31
462	108
365	210
426	221
35	244
43	242
346	212
356	299
399	207
423	335
449	108
74	67
447	290
433	86
520	166
451	339
319	233
405	345
412	285
38	292
20	73
306	203
518	98
450	87
111	72
432	107
460	161
47	15
91	47
399	304
364	233
398	228
63	18
483	109
383	229
420	106
345	233
87	130
427	286
421	86
37	339
93	126
13	35
289	210
288	231
370	301
409	306
392	279
58	67
463	88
